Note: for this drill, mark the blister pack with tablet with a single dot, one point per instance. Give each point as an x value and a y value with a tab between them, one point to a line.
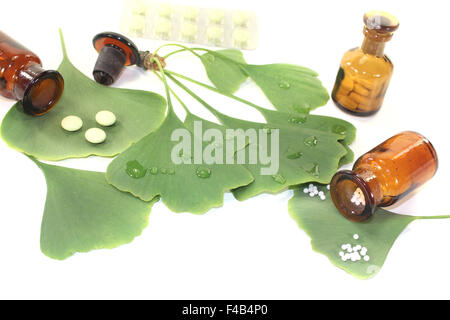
192	24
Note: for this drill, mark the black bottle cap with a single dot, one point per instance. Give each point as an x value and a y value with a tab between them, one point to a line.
115	52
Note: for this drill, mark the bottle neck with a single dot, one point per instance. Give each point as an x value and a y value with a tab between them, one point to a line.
374	42
25	78
373	47
38	89
371	184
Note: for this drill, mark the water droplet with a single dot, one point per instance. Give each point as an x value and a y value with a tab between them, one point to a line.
279	178
339	129
301	108
311	141
135	170
297	119
314	171
210	57
154	170
163	170
284	84
171	172
203	172
268	130
292	155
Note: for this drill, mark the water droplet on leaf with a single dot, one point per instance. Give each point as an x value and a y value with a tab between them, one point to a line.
297	119
210	57
339	129
268	130
203	172
311	141
293	155
135	170
279	178
314	171
163	170
284	84
171	172
301	108
154	170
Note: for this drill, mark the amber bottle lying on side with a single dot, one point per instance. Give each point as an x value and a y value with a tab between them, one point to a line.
365	72
22	78
384	175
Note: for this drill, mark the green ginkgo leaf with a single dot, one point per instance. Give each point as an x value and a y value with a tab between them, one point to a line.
305	120
83	213
305	154
137	112
223	69
329	230
323	123
194	188
290	88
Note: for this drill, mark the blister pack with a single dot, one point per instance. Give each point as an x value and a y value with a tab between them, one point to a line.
189	23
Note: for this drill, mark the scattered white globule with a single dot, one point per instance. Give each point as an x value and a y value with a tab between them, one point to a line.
105	118
95	135
313	191
354	253
72	123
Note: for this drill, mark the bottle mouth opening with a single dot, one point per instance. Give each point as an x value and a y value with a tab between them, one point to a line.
351	196
43	93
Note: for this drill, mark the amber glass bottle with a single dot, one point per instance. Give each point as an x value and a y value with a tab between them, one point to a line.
384	175
365	72
22	78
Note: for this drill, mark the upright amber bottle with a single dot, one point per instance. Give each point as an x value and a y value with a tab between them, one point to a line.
365	72
384	175
22	78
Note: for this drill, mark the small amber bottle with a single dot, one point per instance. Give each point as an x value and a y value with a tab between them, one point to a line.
384	175
22	78
365	72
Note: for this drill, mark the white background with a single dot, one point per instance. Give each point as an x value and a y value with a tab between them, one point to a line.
253	249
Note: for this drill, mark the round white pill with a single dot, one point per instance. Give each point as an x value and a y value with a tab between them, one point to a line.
105	118
95	135
214	34
139	7
189	31
241	37
163	27
216	16
165	10
190	13
72	123
137	23
240	18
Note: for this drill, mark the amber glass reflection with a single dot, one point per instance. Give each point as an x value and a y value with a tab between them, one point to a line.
384	175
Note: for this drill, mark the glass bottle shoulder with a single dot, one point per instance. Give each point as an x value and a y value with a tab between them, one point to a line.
364	65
